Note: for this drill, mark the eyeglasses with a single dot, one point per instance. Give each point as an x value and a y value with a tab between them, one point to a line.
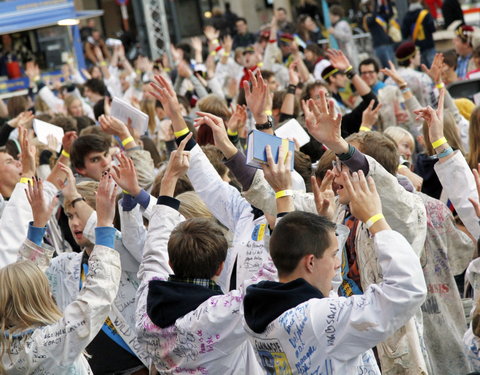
364	73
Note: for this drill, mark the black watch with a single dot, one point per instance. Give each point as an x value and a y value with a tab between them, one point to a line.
266	125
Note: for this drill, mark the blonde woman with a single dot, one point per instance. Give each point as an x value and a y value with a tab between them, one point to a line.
35	337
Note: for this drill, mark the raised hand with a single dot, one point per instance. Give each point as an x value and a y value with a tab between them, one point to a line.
324	195
196	43
69	187
28	155
164	92
364	199
40	209
23	119
435	71
393	74
338	59
105	205
293	78
227	43
211	33
278	174
238	118
220	136
370	115
184	70
125	175
177	167
434	119
114	126
257	96
68	139
324	124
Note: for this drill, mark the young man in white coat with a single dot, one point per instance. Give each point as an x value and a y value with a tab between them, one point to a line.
299	325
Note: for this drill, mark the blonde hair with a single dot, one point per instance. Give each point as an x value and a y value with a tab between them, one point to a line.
68	101
214	105
397	133
148	107
87	190
25	301
192	206
474	139
450	131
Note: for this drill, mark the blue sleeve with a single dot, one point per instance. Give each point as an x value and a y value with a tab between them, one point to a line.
35	234
128	202
143	199
105	236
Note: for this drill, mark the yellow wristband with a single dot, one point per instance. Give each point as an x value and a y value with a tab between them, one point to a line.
439	142
229	132
182	132
215	41
126	192
65	153
26	180
401	166
213	53
374	219
365	129
103	63
440	85
127	140
226	53
283	193
348	69
268	113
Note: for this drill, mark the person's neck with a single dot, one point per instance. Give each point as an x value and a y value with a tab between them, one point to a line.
6	191
466	54
333	89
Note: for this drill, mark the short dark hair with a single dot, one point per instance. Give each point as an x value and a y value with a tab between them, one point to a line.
298	234
97	86
241	19
67	123
370	61
86	144
267	74
197	248
99	109
314	48
379	146
450	58
337	10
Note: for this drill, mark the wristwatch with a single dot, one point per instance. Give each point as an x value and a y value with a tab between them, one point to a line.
266	125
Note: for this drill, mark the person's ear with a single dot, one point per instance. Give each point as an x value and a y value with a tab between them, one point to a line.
219	269
309	263
81	171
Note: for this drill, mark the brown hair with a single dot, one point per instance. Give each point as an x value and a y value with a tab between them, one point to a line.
216	106
183	185
379	146
324	164
303	165
148	107
215	157
473	139
197	248
16	105
68	101
337	10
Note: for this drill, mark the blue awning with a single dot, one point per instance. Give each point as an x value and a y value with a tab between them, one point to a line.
29	21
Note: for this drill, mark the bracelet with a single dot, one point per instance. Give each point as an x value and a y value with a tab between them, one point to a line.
365	129
125	192
26	180
103	63
127	140
439	142
347	155
77	200
350	73
405	90
374	219
283	193
348	69
440	85
213	53
215	41
401	166
291	89
403	85
232	133
182	132
268	112
65	153
226	54
445	153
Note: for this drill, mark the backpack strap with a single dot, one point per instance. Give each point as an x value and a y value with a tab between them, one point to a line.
418	23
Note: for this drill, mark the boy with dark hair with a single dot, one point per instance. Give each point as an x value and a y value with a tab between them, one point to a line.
95	90
369	70
184	321
90	156
300	324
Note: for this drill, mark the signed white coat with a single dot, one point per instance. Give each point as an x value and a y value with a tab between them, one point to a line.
334	335
210	339
57	349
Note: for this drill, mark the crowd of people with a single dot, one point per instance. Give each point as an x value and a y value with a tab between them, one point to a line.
163	251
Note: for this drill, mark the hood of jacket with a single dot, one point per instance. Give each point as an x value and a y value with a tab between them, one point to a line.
169	300
267	300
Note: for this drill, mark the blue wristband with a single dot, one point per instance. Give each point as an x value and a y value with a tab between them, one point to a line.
445	153
35	234
105	236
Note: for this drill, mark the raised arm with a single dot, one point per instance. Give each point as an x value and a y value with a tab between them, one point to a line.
361	322
83	318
